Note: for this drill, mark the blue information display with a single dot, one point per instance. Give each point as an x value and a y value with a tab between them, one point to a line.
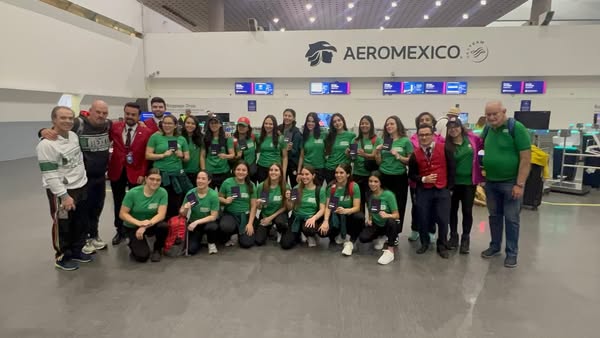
456	88
329	88
534	87
434	87
263	88
511	87
412	87
392	88
244	88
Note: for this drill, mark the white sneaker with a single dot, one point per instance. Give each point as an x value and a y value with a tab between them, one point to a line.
348	248
278	237
232	240
88	248
312	241
212	249
379	242
386	258
339	240
302	237
98	243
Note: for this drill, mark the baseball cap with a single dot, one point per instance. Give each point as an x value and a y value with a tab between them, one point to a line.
213	117
454	121
244	121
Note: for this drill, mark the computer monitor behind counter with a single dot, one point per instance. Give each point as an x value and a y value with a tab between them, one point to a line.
537	120
596	118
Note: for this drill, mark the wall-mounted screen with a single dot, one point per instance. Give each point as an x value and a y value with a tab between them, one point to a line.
244	88
464	118
539	120
319	88
412	88
456	88
434	87
325	119
596	118
392	88
329	88
263	88
511	87
534	87
341	88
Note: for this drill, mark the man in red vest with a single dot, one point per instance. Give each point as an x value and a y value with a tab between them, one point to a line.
433	168
127	166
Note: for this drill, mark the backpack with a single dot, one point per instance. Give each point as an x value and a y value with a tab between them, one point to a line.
175	244
350	191
511	129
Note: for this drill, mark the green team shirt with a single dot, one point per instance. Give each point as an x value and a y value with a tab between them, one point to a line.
206	204
314	151
359	162
501	159
248	155
160	143
388	204
270	154
142	207
274	202
389	164
463	155
193	165
214	164
338	150
241	204
346	201
308	203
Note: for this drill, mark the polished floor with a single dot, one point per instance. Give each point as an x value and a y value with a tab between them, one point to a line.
266	292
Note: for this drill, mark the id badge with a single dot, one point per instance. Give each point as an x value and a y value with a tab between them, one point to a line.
129	158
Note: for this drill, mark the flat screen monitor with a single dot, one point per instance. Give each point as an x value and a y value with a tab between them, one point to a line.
597	118
319	88
537	120
534	87
325	119
456	88
464	118
412	87
511	87
244	88
148	115
263	88
392	88
434	88
339	88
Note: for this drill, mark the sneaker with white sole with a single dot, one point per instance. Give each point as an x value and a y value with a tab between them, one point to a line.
88	248
386	258
312	241
339	239
212	249
414	235
278	237
379	242
98	243
303	237
348	248
232	240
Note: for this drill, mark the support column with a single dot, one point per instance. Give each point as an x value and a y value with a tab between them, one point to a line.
537	8
216	15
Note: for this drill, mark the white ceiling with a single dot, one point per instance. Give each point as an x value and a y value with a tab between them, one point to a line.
565	12
332	14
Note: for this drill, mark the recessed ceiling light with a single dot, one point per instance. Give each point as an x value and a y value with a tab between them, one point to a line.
426	17
348	18
387	17
312	19
394	4
282	29
308	7
275	20
381	28
465	16
438	3
350	5
483	2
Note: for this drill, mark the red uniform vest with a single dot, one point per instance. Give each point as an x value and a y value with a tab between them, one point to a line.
437	165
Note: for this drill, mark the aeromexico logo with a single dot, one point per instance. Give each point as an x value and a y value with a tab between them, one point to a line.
323	52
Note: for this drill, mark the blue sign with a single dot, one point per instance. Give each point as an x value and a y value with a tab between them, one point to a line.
244	88
391	88
251	105
341	88
534	87
525	105
456	88
434	88
327	88
319	88
511	87
263	88
412	88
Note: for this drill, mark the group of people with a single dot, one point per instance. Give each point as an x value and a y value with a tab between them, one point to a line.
295	186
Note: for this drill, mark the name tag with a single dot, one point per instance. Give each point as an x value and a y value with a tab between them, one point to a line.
319	141
153	206
277	198
399	149
245	195
311	200
368	146
344	143
204	209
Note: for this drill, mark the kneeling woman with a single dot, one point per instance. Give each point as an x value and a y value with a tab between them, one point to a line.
271	197
237	195
143	211
343	217
307	202
203	205
383	219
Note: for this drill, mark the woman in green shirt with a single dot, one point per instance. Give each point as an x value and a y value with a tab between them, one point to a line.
271	147
392	157
236	194
143	212
343	220
312	153
383	219
337	145
271	197
244	142
307	202
193	135
216	152
364	161
169	151
202	205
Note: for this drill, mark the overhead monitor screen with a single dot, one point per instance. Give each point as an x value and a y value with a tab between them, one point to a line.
244	88
412	88
392	88
434	87
263	88
456	88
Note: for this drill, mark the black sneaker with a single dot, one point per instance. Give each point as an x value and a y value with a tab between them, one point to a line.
490	252
423	249
82	258
464	246
118	238
453	242
510	261
66	264
155	257
443	251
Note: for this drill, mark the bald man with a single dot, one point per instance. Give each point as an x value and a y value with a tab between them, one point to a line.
506	161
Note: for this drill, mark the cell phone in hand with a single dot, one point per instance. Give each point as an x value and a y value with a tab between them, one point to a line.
353	150
235	192
192	199
333	202
172	145
294	194
375	205
214	149
387	143
243	144
264	196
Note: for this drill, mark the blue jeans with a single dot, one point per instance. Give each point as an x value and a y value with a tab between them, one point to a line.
503	209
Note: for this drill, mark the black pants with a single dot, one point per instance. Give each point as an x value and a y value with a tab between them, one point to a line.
354	225
465	196
68	234
398	184
195	237
261	232
118	188
230	225
291	173
433	208
140	250
390	229
414	213
217	180
175	201
261	173
363	184
329	175
289	239
96	188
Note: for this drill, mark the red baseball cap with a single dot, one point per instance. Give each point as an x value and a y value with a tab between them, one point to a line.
244	121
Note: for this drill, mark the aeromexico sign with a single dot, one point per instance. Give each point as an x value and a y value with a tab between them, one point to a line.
324	52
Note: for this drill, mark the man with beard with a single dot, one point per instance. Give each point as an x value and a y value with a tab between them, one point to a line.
158	106
127	165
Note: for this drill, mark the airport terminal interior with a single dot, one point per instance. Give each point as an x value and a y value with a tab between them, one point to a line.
236	62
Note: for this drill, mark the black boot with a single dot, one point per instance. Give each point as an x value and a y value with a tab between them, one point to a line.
464	245
442	251
453	242
118	238
423	249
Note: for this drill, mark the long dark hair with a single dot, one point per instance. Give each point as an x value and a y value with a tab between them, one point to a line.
379	175
281	184
208	135
196	136
247	179
399	125
281	127
236	133
371	130
348	169
433	119
316	131
175	131
450	145
301	186
274	133
330	139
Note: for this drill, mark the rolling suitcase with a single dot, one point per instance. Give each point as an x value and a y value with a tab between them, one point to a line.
534	187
